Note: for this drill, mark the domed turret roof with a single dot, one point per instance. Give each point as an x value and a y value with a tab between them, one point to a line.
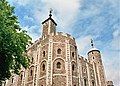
93	49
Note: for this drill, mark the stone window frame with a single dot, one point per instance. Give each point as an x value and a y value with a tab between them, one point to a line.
31	71
73	66
41	65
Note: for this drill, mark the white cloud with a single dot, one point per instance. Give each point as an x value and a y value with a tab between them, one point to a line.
31	31
65	12
28	18
115	43
22	2
83	44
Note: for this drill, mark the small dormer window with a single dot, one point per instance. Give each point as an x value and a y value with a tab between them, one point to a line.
59	51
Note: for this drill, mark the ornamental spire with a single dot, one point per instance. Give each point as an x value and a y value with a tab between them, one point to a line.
50	15
92	44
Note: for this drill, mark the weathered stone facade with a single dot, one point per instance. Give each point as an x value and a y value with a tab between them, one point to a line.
55	62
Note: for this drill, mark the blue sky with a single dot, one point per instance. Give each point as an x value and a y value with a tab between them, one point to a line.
83	19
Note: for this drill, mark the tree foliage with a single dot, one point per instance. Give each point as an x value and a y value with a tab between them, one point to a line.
13	42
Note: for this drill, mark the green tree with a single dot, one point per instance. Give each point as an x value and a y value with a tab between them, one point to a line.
13	42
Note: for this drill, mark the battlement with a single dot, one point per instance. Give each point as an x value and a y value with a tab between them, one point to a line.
83	59
65	34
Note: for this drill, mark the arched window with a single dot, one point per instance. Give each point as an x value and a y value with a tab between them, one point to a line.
93	83
59	51
58	65
43	53
93	57
43	67
73	67
85	84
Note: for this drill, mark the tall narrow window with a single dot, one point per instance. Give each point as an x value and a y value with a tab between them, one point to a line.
72	54
58	65
59	51
21	76
92	83
32	59
31	72
73	67
85	84
12	80
43	67
43	53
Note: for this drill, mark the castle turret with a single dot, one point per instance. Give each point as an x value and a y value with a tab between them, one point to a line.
94	58
49	26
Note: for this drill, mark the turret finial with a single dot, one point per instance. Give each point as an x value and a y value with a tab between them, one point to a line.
92	43
50	12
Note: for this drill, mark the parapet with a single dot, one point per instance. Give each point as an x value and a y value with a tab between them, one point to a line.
65	34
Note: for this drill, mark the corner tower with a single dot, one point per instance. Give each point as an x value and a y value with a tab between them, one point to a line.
49	26
94	58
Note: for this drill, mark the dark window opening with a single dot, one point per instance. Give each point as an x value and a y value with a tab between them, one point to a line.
92	83
73	67
12	80
21	77
31	72
93	57
58	65
85	84
72	54
32	59
43	67
43	53
74	85
59	51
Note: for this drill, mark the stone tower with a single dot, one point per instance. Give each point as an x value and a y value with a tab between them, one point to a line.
94	58
58	57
